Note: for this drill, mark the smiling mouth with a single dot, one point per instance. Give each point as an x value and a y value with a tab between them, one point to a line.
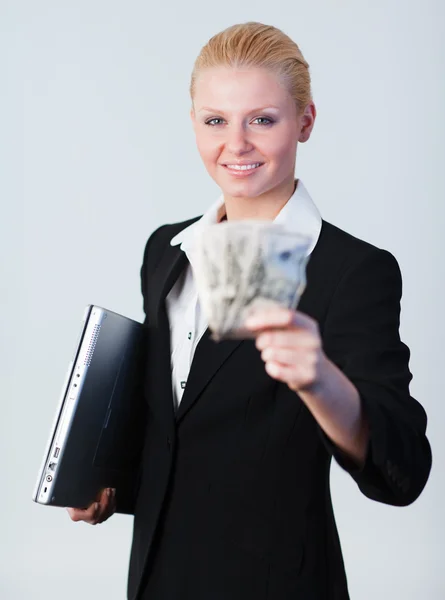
243	168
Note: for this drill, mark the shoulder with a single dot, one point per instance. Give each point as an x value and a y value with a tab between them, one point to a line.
340	243
339	251
343	266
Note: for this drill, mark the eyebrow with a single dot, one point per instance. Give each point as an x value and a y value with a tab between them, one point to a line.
254	110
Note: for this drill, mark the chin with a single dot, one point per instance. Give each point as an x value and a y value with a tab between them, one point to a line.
237	191
242	188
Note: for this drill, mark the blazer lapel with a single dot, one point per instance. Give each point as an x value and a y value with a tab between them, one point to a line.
209	357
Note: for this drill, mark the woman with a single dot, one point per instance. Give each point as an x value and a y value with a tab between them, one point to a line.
233	497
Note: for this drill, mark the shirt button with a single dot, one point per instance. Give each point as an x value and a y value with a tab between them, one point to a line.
183	384
189	335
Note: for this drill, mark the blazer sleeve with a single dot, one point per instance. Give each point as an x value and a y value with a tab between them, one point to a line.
361	336
126	498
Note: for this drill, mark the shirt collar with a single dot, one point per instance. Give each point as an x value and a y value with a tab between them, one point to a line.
299	214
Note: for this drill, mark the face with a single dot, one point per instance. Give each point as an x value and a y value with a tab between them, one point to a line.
247	130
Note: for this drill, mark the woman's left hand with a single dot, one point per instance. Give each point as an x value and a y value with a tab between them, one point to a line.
290	345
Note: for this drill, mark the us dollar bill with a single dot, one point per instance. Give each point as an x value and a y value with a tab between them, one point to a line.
242	266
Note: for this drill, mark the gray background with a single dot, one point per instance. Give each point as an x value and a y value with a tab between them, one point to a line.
97	150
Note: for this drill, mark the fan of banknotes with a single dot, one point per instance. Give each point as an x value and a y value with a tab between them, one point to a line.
245	265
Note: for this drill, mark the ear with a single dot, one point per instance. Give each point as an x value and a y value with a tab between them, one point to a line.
307	122
193	116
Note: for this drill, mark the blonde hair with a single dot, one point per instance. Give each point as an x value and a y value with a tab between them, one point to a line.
259	46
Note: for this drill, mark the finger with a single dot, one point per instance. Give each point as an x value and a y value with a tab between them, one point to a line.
96	514
105	497
102	507
287	356
82	514
270	317
98	511
109	497
297	378
279	317
289	338
88	515
107	505
74	513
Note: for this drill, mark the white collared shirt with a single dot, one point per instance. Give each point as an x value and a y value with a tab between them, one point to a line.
187	322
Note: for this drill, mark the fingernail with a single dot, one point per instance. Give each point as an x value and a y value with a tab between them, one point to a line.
113	491
108	492
96	506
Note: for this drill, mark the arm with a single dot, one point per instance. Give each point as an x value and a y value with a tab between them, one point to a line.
362	339
336	406
126	499
357	385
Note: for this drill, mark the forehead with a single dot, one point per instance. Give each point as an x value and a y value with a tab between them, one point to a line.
230	88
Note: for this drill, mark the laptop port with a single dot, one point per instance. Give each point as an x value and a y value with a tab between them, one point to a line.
56	452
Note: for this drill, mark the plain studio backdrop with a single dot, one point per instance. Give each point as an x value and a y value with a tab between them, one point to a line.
97	150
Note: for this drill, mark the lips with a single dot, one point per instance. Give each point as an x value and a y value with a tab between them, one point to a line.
242	165
242	169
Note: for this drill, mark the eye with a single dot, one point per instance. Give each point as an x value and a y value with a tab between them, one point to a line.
212	123
265	120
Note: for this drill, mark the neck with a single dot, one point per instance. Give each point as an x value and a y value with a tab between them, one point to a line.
264	207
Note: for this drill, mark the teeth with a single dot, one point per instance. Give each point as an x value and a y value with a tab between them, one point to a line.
243	167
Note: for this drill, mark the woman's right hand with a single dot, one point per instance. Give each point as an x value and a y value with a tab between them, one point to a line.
97	512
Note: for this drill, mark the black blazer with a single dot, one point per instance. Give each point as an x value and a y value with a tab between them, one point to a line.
232	500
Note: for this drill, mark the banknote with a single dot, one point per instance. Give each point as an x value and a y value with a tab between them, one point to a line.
245	265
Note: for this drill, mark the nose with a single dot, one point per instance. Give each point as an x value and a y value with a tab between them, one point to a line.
237	141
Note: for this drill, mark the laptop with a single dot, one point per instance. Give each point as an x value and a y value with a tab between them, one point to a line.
96	435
